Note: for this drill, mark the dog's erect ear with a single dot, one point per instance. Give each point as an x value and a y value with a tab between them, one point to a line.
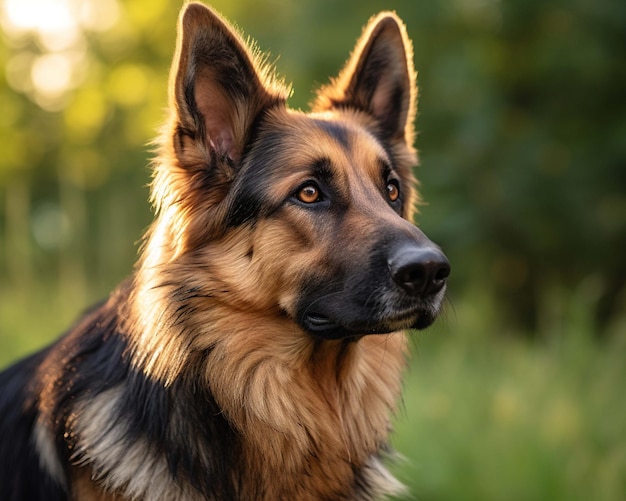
217	85
379	78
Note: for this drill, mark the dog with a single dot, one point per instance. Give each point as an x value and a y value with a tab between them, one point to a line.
257	350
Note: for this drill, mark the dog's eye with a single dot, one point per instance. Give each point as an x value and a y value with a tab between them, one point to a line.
393	190
309	194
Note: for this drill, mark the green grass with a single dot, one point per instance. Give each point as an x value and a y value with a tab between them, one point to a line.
485	416
490	418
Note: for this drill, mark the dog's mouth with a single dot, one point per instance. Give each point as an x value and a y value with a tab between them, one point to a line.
316	321
323	326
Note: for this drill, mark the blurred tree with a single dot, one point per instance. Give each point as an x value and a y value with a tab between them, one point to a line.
540	141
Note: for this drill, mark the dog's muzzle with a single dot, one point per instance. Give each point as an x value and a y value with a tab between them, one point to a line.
400	287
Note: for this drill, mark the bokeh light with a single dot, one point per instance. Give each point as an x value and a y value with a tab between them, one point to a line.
58	29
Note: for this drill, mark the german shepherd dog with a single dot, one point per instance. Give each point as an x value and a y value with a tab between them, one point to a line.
256	352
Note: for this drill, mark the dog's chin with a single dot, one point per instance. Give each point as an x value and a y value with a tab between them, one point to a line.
323	327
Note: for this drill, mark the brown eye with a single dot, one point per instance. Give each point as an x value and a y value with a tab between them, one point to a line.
393	190
309	194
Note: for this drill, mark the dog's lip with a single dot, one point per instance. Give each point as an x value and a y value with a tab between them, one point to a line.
322	325
318	321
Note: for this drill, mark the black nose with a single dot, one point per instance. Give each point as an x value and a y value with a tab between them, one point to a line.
420	271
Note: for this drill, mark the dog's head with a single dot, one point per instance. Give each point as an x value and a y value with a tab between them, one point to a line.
306	216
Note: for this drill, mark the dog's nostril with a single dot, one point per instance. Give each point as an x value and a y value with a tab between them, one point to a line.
419	271
443	272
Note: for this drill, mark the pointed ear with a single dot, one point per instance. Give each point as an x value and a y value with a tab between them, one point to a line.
379	79
217	85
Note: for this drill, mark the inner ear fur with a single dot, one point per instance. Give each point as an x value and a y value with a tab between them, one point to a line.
379	79
218	85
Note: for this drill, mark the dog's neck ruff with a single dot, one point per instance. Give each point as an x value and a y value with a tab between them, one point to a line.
303	408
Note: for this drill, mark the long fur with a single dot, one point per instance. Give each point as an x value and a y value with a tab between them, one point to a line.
241	360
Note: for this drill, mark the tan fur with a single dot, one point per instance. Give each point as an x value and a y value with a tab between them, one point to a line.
84	489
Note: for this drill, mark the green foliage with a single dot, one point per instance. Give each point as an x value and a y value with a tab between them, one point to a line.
522	150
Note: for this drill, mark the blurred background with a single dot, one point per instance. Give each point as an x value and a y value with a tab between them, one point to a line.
519	391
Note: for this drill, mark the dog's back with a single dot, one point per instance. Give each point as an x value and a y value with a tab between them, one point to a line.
22	474
35	397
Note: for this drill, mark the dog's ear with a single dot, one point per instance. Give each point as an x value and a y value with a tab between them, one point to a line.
379	78
218	85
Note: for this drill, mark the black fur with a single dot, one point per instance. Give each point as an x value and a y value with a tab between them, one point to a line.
21	475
